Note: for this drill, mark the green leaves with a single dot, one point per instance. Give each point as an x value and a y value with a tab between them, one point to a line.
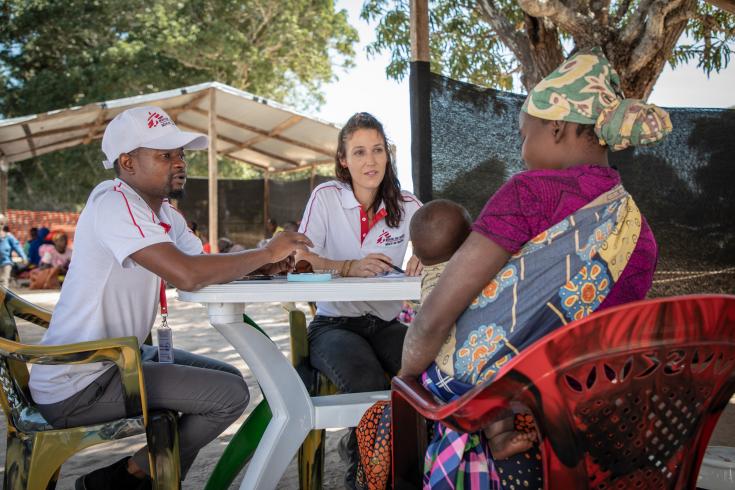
56	54
713	31
462	45
465	46
469	49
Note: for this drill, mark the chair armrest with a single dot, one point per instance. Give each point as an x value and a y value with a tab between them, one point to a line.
123	351
415	394
467	413
21	308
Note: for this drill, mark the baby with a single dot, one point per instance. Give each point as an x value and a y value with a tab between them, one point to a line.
438	229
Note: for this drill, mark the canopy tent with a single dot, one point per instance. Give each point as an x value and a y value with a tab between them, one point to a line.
240	125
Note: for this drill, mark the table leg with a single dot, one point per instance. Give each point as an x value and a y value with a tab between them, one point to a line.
290	404
245	441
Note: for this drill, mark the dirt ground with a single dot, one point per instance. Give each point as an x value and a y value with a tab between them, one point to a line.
192	332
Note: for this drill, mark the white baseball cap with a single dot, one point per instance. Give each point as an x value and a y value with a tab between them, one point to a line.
148	127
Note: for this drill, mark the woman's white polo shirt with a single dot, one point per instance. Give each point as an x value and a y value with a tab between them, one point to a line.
339	228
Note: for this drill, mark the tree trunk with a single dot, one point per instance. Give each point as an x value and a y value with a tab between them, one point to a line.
638	49
545	51
639	83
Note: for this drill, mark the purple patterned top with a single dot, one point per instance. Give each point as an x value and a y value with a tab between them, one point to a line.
534	200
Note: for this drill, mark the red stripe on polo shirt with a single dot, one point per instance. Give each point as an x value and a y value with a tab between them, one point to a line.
311	205
129	211
407	198
365	225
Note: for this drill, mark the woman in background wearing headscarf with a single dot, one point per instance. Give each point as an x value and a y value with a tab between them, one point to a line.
554	244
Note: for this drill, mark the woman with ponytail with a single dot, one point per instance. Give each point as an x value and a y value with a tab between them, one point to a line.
554	244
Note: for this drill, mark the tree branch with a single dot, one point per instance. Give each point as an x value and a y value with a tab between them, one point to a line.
622	9
600	10
656	30
514	40
637	23
580	27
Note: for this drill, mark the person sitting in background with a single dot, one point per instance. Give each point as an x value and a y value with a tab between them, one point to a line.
271	229
54	264
225	245
290	226
32	235
8	245
57	254
33	256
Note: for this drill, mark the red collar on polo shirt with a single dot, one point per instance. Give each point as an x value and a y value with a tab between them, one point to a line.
349	201
366	225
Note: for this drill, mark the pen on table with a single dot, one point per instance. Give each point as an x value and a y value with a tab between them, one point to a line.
394	267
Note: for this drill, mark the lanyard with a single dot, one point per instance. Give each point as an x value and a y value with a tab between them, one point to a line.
164	302
165	336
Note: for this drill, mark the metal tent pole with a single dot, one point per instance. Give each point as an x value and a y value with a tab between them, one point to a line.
212	165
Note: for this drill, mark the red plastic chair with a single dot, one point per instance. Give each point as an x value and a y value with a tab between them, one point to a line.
624	399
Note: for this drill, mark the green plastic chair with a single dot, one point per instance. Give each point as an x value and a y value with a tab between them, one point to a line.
35	450
311	453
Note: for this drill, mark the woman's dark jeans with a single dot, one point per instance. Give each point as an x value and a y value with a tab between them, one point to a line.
355	353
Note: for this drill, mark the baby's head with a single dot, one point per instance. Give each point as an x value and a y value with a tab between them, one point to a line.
438	229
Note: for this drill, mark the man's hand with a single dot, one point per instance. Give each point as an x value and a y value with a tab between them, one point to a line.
285	244
285	265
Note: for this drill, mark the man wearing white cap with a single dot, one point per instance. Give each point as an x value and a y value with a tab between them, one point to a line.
129	239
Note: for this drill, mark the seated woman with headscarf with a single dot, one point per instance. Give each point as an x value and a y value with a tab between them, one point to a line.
56	254
554	244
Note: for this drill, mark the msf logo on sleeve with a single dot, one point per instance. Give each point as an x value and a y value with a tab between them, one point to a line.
385	239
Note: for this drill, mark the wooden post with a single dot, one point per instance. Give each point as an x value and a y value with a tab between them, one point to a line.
212	162
420	106
419	30
312	177
266	201
3	185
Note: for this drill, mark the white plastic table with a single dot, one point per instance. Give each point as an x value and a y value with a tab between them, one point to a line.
294	412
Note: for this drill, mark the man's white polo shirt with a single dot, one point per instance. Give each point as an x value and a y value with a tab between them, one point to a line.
339	228
106	294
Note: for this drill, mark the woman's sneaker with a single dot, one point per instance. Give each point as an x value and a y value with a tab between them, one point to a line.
112	477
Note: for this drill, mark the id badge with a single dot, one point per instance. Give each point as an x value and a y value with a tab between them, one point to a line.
165	344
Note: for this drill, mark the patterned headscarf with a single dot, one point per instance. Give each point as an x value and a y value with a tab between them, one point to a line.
585	89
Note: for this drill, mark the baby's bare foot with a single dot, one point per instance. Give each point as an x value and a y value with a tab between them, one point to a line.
507	444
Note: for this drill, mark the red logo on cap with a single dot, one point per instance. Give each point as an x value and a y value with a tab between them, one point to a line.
156	119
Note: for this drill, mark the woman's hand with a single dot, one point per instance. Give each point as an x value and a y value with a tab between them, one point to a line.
370	266
414	266
309	257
